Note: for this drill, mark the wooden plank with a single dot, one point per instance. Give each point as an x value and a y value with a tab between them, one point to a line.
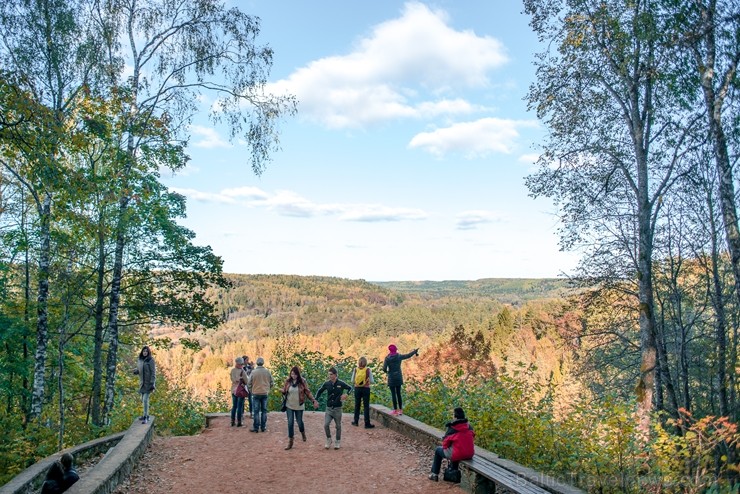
502	477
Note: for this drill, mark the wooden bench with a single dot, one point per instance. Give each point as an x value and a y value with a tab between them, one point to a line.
482	476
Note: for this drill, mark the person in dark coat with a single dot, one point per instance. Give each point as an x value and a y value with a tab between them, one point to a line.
146	370
392	367
60	476
457	444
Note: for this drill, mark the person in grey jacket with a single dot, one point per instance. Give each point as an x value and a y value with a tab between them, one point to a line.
146	370
260	382
392	367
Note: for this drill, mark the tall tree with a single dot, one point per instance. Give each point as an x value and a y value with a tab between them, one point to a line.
706	34
46	46
178	50
614	144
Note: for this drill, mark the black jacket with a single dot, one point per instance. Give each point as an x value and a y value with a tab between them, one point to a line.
334	392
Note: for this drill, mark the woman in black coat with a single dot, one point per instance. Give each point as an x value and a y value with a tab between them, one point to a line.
392	367
146	370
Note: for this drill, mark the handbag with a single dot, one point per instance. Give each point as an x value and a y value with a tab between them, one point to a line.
241	391
452	475
284	404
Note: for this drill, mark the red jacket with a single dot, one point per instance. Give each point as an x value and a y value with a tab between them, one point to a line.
459	437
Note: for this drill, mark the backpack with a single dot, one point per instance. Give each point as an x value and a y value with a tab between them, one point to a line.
362	378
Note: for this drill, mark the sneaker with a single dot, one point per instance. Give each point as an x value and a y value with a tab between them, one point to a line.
336	444
434	477
232	423
394	412
400	412
146	420
369	426
355	424
239	424
254	430
264	430
327	445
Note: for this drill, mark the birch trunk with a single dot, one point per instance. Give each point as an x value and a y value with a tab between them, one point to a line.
42	323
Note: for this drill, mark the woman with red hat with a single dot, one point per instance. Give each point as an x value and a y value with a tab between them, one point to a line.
392	367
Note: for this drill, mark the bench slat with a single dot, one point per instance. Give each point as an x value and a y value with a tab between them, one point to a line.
502	477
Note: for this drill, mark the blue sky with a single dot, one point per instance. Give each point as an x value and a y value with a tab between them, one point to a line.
406	160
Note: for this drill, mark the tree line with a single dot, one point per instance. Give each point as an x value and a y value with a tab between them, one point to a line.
640	100
97	97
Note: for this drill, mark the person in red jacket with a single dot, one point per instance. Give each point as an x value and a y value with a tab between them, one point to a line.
457	444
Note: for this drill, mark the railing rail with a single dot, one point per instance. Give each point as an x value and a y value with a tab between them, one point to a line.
122	451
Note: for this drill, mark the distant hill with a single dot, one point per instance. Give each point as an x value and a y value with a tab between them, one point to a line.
505	290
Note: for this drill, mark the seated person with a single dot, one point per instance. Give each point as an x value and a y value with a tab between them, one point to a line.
457	444
60	476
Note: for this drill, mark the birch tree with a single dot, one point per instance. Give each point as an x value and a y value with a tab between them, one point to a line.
44	43
614	146
178	50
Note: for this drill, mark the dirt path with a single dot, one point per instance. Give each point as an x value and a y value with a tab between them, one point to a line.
228	460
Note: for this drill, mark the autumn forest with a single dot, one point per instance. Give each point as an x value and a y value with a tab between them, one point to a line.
618	378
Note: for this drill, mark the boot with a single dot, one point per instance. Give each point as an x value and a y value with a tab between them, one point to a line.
303	435
290	443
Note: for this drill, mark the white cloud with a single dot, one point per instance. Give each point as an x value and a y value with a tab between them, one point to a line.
289	203
247	193
371	213
470	220
474	139
209	138
402	69
197	195
529	159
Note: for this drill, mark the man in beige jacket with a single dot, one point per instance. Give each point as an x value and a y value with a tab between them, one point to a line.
260	382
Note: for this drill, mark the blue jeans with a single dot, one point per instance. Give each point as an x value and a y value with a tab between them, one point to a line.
260	412
145	403
294	416
237	408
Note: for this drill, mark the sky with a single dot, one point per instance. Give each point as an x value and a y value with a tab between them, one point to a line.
406	159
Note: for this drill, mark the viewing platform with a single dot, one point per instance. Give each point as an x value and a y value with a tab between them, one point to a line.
395	456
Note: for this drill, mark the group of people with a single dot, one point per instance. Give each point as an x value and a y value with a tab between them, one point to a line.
252	383
457	444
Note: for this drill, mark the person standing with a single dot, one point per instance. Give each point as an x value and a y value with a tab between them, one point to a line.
457	444
362	378
248	367
147	371
260	382
392	367
296	391
238	376
334	399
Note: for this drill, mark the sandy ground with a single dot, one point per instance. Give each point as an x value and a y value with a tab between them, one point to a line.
228	460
